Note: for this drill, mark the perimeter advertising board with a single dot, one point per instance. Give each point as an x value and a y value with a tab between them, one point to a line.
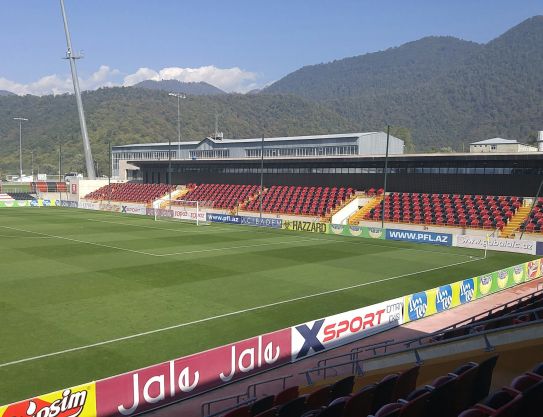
416	236
66	203
356	231
223	218
145	389
333	331
77	401
263	222
88	205
305	226
436	300
496	244
16	203
113	207
133	209
189	214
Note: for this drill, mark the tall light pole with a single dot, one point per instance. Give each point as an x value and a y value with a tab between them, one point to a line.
179	97
20	120
89	162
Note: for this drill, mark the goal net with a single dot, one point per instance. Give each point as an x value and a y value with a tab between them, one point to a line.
190	211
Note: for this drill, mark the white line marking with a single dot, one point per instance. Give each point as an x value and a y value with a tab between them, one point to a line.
330	238
233	313
79	241
25	237
191	252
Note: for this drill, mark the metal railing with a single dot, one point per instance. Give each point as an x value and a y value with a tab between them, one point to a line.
244	398
387	345
482	328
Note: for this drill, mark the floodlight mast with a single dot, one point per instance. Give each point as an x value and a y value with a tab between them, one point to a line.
20	120
89	162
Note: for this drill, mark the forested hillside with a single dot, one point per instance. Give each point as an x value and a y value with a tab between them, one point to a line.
133	115
441	92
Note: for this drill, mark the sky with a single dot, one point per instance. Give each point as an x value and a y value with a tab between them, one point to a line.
236	45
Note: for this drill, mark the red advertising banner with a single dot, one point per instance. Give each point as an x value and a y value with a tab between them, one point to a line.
148	388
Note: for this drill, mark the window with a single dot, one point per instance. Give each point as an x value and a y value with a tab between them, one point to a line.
209	154
303	151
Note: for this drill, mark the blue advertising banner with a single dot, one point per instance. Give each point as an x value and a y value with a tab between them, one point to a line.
443	239
66	203
223	218
539	248
264	221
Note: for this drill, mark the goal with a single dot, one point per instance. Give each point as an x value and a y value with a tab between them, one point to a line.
190	211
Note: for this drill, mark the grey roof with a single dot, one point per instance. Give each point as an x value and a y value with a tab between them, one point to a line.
278	139
496	141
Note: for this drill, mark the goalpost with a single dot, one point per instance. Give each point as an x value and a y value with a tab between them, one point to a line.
189	211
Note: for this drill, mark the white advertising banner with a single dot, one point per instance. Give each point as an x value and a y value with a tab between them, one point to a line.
88	205
189	214
495	243
133	209
330	332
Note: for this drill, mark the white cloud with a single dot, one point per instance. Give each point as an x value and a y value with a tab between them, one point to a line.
228	79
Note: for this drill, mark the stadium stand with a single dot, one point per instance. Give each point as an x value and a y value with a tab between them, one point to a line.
462	392
477	211
6	197
396	394
49	187
225	196
129	192
21	196
314	201
534	222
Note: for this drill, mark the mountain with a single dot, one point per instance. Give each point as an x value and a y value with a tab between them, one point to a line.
126	115
447	92
406	66
441	92
192	88
4	93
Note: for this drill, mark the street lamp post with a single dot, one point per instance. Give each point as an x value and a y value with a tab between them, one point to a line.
20	120
179	97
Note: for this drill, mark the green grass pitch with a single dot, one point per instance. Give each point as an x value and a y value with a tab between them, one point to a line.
73	278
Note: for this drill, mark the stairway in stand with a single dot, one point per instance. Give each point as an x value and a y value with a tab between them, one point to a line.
515	221
362	211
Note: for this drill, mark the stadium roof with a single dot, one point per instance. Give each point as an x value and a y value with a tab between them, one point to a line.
252	140
496	141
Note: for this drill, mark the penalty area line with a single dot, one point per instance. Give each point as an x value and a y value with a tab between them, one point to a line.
160	255
230	314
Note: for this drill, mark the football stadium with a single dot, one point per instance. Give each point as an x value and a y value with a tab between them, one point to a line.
310	275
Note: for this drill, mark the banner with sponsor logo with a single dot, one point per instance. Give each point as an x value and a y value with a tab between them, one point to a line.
264	221
436	300
113	207
539	248
497	244
189	214
77	401
15	203
223	218
358	231
139	209
66	203
145	389
330	332
88	205
149	211
443	239
305	226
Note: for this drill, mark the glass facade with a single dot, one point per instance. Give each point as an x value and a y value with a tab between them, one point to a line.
303	151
